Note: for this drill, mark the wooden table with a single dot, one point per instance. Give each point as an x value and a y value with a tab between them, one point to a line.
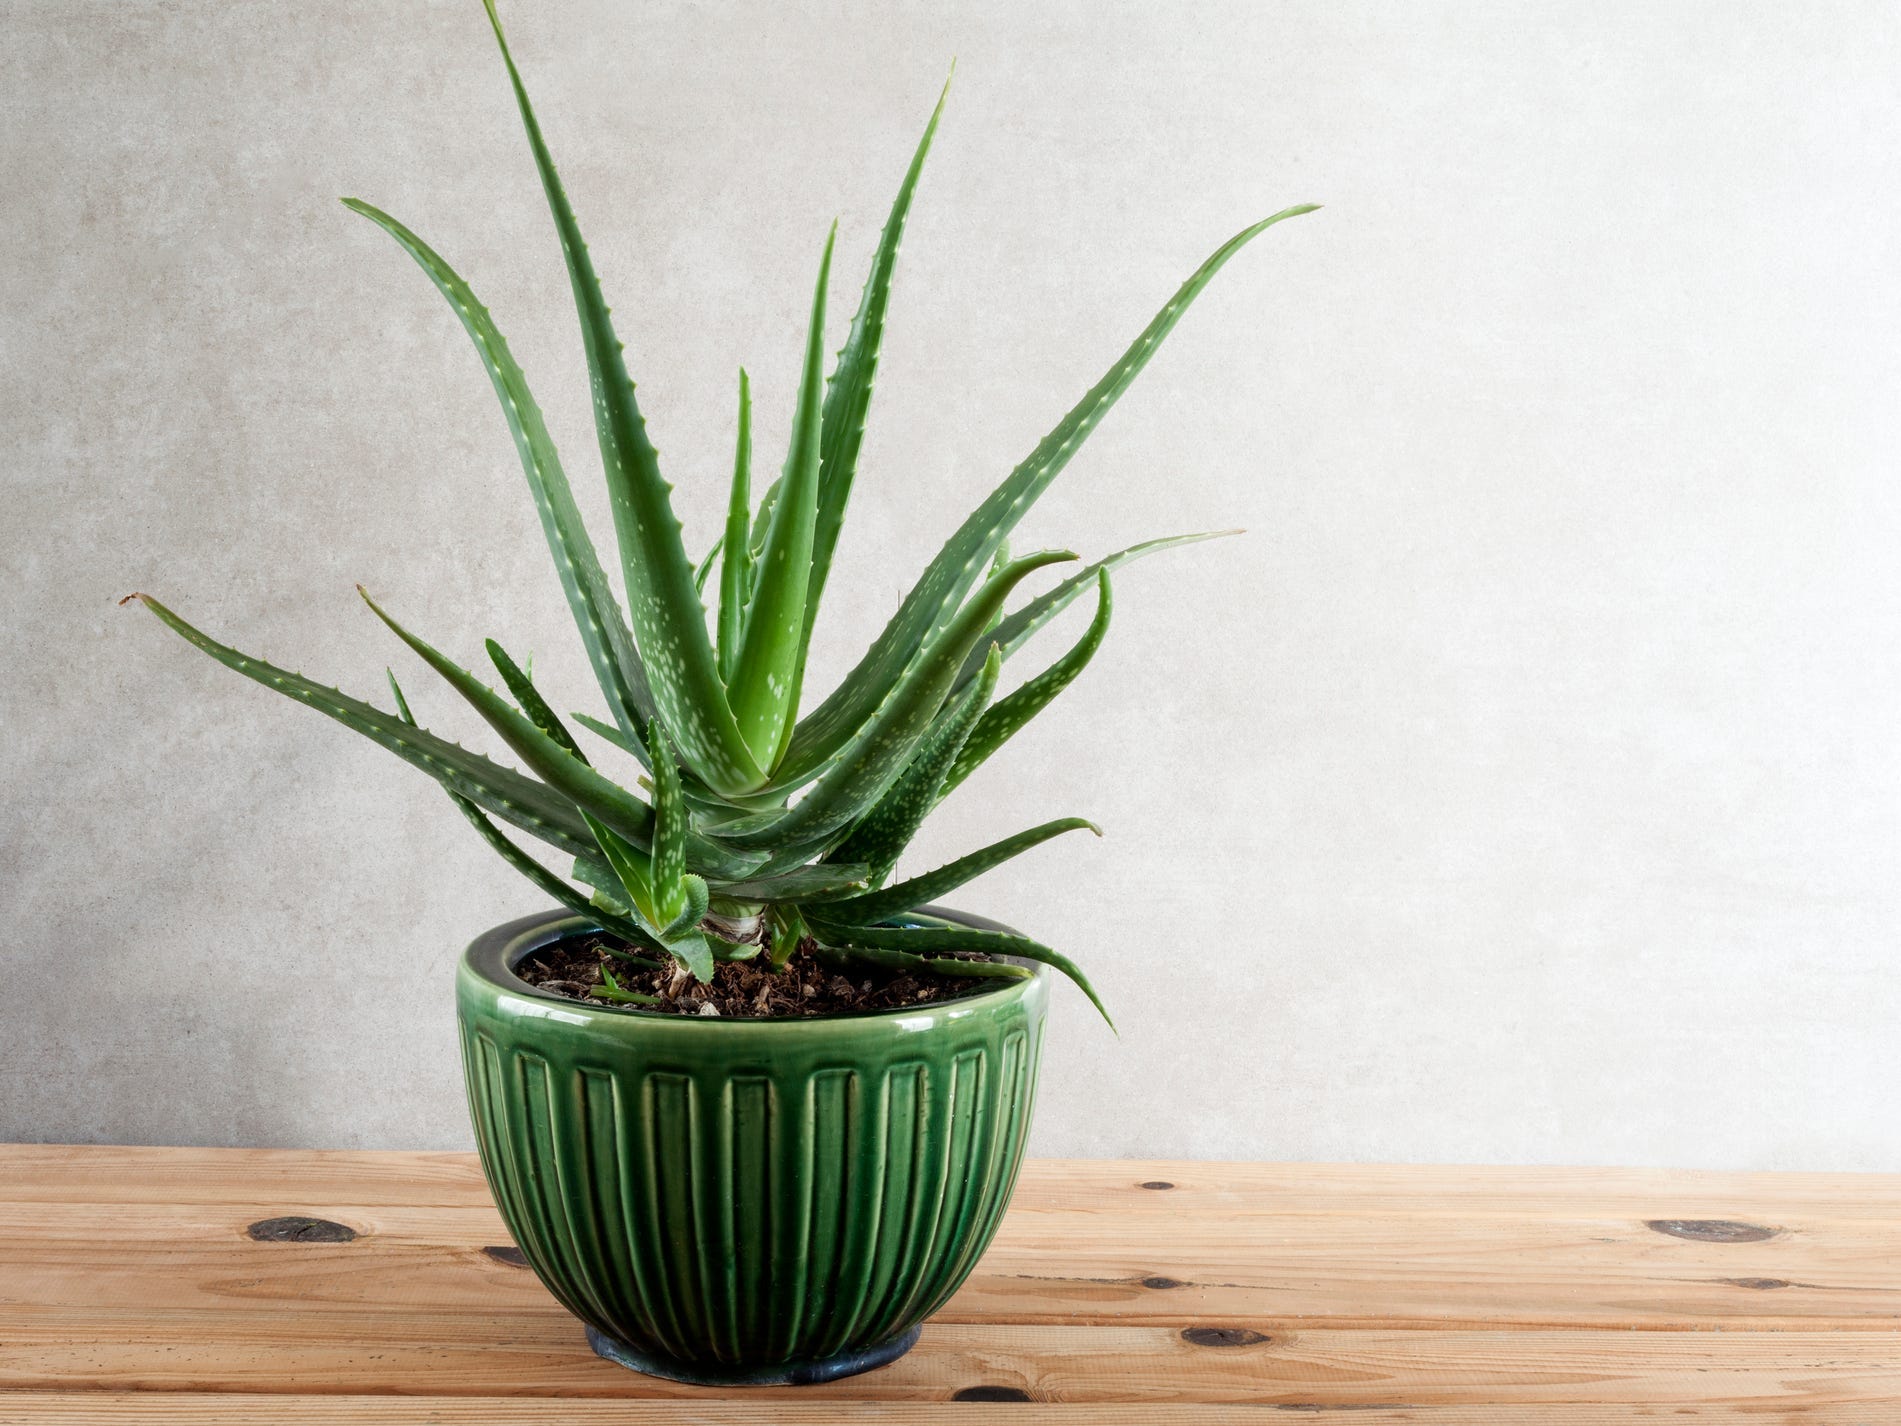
132	1290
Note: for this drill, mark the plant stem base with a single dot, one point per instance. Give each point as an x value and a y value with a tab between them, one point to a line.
862	1359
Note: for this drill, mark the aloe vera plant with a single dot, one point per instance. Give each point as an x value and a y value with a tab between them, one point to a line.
718	822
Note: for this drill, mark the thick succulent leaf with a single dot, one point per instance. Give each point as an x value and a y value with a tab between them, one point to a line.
921	940
528	698
592	871
612	734
735	570
669	621
612	990
799	884
534	871
888	828
762	521
950	576
1013	631
586	788
865	767
694	899
788	930
670	829
567	774
919	890
847	949
610	647
632	867
532	806
1004	721
693	952
704	569
848	393
764	687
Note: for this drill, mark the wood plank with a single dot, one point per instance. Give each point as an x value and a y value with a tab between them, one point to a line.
72	1173
1045	1267
420	1353
130	1291
115	1174
777	1408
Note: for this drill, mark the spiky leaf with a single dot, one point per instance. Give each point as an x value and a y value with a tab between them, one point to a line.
887	829
534	871
848	393
597	614
766	676
908	895
670	829
669	621
799	884
567	774
921	940
736	563
1004	721
892	959
867	764
532	806
1014	630
528	698
611	989
957	566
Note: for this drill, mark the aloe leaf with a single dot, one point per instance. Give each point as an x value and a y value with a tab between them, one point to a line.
530	805
597	874
907	895
888	828
610	647
694	900
692	951
1007	718
1015	630
865	767
591	792
632	867
613	735
764	687
799	883
669	621
670	828
848	392
528	698
893	959
951	574
704	569
788	930
611	989
725	950
735	570
923	939
534	871
762	521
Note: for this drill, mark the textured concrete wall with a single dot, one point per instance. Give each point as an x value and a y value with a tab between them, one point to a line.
1526	785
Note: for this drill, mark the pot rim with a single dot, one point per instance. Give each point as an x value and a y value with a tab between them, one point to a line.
492	957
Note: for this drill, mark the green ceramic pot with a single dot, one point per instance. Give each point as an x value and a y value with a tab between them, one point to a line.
726	1200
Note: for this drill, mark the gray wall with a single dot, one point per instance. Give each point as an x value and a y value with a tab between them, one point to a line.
1525	786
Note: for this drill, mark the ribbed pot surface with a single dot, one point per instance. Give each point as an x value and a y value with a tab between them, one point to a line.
731	1200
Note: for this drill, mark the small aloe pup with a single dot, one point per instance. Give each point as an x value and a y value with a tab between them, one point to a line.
721	820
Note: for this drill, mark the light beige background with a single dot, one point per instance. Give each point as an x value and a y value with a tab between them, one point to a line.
1525	786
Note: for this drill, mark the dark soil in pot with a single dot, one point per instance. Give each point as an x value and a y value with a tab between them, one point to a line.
744	990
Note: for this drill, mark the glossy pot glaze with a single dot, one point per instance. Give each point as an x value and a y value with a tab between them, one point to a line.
725	1200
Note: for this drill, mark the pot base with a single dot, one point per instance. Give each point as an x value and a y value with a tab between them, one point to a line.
862	1359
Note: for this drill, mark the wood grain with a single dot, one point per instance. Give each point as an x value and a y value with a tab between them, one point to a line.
130	1290
117	1409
